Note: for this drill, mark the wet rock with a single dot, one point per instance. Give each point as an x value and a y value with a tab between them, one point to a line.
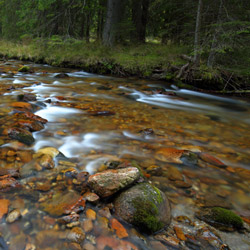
105	212
29	97
18	242
10	172
61	75
13	216
121	232
88	246
47	238
147	131
179	233
30	125
108	182
8	183
174	174
69	218
144	206
35	117
53	152
212	160
106	243
157	245
169	155
76	235
4	207
46	161
63	203
88	225
155	170
101	113
168	240
221	218
74	246
21	135
21	105
212	200
91	214
91	197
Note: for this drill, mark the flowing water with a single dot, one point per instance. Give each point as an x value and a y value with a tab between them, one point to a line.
96	120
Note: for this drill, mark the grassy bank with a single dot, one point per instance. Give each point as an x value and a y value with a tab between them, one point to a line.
153	61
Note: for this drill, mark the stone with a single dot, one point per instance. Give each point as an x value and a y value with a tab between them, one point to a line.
22	105
121	232
30	125
46	161
174	174
63	203
91	214
8	183
13	216
76	235
169	155
61	75
104	242
212	160
21	135
47	238
53	152
69	218
28	97
87	225
109	182
4	206
144	206
221	218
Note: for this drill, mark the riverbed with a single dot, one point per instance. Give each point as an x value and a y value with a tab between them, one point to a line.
93	122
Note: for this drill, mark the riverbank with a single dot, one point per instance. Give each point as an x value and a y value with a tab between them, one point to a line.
150	61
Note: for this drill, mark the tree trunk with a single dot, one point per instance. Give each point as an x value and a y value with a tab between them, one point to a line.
139	18
87	34
211	57
100	20
114	14
197	45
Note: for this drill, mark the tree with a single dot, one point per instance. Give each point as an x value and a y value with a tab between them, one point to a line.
197	34
140	19
114	16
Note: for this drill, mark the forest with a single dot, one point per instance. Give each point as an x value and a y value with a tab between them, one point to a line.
202	43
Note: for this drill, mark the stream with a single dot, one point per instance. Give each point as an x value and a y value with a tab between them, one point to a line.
95	121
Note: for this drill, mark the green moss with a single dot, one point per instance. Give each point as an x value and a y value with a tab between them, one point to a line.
24	69
145	216
226	217
147	211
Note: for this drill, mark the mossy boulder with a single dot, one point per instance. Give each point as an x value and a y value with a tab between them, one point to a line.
221	218
145	207
24	69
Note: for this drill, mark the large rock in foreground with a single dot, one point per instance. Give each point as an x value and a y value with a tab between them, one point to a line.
144	206
109	182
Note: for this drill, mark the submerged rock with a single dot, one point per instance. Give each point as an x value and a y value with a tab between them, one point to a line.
221	218
108	182
61	75
21	135
63	203
144	206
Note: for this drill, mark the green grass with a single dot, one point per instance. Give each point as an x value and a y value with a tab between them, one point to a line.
141	58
